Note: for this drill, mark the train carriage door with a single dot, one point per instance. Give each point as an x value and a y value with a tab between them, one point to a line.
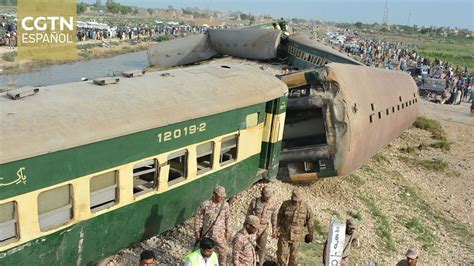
272	135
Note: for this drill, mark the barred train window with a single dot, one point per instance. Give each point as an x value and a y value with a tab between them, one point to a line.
178	166
145	176
204	157
55	207
228	149
8	223
103	191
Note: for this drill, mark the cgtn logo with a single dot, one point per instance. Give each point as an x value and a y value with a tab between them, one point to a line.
54	29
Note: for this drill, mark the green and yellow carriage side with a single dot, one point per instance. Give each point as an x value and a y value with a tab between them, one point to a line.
87	170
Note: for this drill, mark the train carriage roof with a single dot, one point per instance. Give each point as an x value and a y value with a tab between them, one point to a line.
69	115
315	44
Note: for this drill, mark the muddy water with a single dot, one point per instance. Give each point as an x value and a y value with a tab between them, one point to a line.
75	71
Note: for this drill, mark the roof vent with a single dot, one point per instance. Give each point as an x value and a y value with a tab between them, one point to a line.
22	92
134	73
106	81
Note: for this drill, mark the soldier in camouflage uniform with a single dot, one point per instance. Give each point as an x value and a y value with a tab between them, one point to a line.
244	243
264	207
293	216
212	220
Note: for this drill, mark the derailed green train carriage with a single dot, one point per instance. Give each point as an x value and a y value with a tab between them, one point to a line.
87	170
306	52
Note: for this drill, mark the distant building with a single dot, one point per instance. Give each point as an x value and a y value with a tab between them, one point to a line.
98	2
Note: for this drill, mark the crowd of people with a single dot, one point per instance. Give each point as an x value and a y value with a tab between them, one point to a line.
138	32
394	56
8	37
264	219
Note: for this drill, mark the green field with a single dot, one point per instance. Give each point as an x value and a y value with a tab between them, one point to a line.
456	54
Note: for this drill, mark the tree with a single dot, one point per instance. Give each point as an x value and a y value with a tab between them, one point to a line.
81	8
150	11
244	17
112	7
8	2
358	24
251	19
125	9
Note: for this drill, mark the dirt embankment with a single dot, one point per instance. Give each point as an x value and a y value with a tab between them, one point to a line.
416	192
9	64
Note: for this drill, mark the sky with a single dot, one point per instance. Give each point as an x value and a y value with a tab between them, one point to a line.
452	13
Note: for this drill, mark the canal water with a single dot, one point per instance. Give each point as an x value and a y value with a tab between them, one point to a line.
72	72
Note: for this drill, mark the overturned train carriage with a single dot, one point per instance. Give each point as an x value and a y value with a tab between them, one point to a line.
340	115
87	170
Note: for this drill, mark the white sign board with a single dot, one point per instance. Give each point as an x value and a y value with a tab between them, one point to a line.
335	246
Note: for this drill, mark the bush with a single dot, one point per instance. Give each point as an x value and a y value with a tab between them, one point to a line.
9	57
442	144
410	150
161	38
432	126
434	165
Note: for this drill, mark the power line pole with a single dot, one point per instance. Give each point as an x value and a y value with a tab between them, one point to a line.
409	17
385	14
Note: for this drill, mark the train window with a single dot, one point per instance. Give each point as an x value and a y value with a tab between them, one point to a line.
380	115
400	98
251	120
103	191
370	119
393	109
416	100
387	111
55	207
372	106
178	166
8	223
204	158
145	176
403	106
228	149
